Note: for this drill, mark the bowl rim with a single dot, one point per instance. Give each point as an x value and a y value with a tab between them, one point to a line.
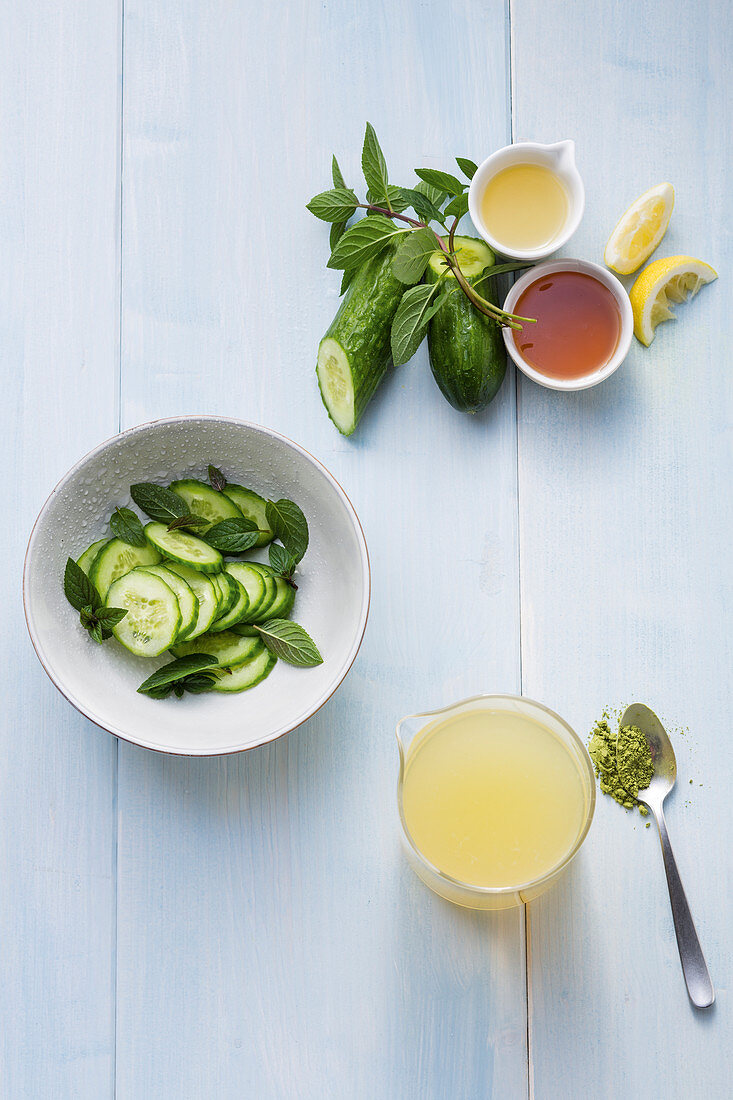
517	152
75	702
609	280
532	884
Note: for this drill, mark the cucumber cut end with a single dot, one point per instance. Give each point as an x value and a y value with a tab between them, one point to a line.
473	256
336	384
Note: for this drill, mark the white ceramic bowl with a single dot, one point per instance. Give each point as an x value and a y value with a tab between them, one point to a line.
101	681
624	340
560	159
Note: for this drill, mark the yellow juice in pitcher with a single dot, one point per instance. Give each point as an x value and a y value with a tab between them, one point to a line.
492	798
524	206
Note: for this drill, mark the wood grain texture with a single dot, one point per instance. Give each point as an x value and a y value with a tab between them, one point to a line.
272	942
625	553
59	295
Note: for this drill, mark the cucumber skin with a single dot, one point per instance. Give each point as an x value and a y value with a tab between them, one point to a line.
466	349
362	327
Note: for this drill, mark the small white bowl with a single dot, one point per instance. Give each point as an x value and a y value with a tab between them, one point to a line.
101	681
560	159
624	339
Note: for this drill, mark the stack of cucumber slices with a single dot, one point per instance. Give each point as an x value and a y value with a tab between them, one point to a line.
174	591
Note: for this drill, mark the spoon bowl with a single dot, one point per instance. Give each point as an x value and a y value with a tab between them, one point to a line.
697	979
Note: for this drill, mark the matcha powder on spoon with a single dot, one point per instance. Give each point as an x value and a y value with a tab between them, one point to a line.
623	762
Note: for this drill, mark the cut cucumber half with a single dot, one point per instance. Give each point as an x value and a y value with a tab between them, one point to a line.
472	254
204	591
231	650
251	580
117	558
187	599
253	507
355	353
180	546
284	600
236	612
205	502
153	615
269	577
86	561
252	672
228	593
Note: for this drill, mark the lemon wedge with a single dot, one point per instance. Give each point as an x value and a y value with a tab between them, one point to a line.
673	279
640	229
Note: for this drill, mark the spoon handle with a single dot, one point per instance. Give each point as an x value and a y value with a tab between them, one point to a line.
694	968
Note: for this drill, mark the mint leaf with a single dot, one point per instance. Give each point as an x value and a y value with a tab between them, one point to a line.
468	168
336	176
79	590
423	206
199	682
290	642
395	196
125	525
337	231
162	505
176	671
337	205
289	525
282	561
374	166
363	241
413	254
411	321
188	520
233	536
443	180
457	207
437	195
110	616
217	480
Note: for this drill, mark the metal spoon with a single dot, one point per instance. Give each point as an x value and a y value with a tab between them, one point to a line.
697	979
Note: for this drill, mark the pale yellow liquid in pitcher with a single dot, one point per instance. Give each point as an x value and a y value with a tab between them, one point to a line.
524	206
491	798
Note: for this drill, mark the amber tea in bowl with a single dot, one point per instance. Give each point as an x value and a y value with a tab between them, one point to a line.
582	324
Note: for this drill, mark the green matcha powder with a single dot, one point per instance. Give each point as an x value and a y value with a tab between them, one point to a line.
623	762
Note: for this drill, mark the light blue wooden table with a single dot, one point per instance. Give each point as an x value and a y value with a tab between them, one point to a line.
246	927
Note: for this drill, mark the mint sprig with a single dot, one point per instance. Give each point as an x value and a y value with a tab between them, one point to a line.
289	526
161	504
94	616
192	673
290	642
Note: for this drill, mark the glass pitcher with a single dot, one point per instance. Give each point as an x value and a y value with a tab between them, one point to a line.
484	897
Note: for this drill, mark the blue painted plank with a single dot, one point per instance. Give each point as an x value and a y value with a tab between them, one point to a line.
59	289
625	551
272	942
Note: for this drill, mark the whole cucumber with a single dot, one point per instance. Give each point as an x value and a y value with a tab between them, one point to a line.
355	354
466	349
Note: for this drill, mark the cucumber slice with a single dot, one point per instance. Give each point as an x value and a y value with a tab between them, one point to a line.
251	580
355	353
236	612
252	672
253	507
86	561
117	558
228	593
187	599
284	600
230	649
205	501
246	630
205	592
269	577
180	546
153	615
